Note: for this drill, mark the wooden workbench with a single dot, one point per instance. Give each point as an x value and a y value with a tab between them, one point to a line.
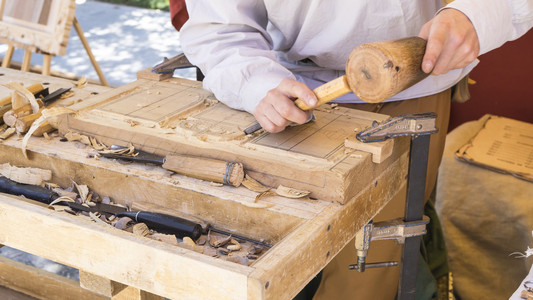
305	234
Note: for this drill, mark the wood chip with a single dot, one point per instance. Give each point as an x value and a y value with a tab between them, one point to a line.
83	191
60	199
290	192
264	195
141	229
238	259
122	223
34	176
165	238
81	83
96	218
7	133
210	251
216	241
46	114
76	137
187	240
254	185
24	94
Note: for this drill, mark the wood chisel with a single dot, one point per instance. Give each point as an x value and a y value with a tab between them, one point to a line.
161	223
230	173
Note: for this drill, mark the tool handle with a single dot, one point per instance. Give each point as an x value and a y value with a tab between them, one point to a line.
29	191
377	71
328	91
168	224
209	169
34	88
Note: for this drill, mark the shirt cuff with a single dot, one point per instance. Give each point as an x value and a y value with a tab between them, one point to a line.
257	87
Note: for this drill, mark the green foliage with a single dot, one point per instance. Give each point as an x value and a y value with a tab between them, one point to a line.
154	4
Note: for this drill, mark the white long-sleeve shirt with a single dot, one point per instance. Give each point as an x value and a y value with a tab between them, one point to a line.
247	47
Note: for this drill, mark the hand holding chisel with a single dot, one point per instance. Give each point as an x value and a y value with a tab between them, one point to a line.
374	72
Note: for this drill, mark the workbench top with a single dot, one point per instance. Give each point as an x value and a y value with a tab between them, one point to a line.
305	234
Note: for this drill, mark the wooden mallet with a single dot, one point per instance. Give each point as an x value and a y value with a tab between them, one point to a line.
374	72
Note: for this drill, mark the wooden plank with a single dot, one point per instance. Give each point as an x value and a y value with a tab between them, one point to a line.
310	247
225	207
177	116
80	94
39	283
146	264
100	285
380	150
304	232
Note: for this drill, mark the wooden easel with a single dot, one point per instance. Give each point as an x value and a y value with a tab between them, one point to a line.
46	31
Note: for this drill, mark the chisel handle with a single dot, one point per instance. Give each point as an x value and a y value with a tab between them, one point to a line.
209	169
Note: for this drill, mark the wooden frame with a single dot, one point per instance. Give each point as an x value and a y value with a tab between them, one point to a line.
305	234
45	27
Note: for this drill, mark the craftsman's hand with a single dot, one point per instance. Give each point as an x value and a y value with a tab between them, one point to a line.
277	109
452	42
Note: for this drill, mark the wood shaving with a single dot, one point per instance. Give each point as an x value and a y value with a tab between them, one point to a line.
7	133
290	192
216	184
34	176
25	94
83	191
256	249
65	193
210	251
129	151
123	223
97	145
141	229
238	259
216	242
76	137
254	185
61	199
81	83
234	245
106	200
165	238
46	114
264	195
187	240
67	95
132	123
96	217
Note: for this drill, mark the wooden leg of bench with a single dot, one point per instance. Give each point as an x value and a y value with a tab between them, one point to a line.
114	290
134	293
85	43
6	61
26	62
100	285
47	62
41	284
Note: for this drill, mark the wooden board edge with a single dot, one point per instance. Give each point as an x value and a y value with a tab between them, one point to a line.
148	265
325	236
41	284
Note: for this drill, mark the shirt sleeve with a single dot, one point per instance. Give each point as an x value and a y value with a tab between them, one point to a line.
230	44
497	21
